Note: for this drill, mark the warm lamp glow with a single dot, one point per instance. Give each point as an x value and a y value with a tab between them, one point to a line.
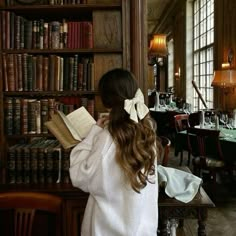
225	65
224	78
158	45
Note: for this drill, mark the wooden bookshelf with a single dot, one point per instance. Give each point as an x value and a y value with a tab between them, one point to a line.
21	72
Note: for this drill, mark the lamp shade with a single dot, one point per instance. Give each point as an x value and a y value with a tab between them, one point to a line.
224	78
158	45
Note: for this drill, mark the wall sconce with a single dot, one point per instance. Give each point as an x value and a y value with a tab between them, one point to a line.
158	46
178	74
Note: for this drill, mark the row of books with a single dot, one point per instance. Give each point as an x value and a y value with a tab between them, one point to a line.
50	2
21	33
27	116
26	72
40	162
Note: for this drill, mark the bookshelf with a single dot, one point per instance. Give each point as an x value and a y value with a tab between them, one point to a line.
52	56
44	48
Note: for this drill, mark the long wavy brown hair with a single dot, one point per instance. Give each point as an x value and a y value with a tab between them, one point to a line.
136	150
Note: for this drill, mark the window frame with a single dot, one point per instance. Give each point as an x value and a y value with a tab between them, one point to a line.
203	52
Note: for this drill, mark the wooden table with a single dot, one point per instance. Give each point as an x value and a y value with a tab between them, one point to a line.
227	142
170	208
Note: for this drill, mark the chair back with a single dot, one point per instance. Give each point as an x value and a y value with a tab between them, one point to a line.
194	118
166	143
204	142
181	122
25	206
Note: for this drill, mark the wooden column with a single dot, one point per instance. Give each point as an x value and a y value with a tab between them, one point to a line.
138	39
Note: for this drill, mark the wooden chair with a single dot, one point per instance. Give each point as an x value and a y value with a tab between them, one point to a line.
166	143
194	118
182	123
205	148
23	208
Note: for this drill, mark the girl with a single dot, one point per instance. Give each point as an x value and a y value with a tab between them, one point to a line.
116	163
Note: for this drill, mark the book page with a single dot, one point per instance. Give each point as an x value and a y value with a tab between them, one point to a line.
81	120
61	132
72	128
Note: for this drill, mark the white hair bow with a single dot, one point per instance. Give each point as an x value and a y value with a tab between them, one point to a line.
135	107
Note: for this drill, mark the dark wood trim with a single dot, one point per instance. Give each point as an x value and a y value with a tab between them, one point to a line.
138	40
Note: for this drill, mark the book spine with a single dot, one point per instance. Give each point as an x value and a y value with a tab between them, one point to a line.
25	72
57	75
44	115
11	165
34	73
5	75
65	33
49	166
51	68
45	73
65	165
12	31
38	116
80	75
34	33
39	73
41	34
3	30
22	33
26	164
10	72
17	115
34	164
41	163
66	74
17	31
57	165
71	71
75	72
20	73
8	114
61	74
51	176
30	72
19	164
55	34
32	116
45	35
28	34
85	62
24	116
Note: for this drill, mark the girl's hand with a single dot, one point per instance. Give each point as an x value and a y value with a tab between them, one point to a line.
102	122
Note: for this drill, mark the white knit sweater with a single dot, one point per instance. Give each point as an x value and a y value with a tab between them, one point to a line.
113	208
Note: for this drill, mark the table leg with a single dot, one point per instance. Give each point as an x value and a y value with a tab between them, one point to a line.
173	226
202	222
181	223
164	231
201	228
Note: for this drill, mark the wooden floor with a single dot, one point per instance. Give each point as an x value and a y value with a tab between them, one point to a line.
222	218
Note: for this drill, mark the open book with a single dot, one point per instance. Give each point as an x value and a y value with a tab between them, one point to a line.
72	128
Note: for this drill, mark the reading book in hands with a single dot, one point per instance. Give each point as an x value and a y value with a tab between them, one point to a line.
72	128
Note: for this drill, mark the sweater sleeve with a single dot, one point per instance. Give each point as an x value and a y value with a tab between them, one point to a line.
85	156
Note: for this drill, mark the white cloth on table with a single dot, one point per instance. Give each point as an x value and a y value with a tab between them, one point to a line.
178	184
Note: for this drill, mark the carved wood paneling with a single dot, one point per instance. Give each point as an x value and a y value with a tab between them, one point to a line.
107	34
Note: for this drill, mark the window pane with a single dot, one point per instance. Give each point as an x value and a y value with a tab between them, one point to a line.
203	50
